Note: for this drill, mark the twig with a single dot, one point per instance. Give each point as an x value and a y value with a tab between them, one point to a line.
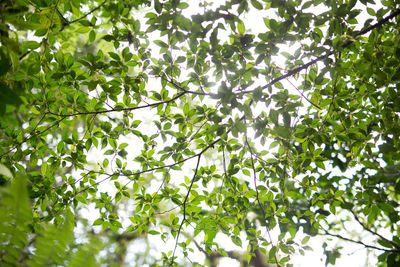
257	194
359	242
155	168
184	207
301	93
161	185
90	12
372	232
33	135
118	109
231	254
190	187
54	13
327	54
184	90
166	211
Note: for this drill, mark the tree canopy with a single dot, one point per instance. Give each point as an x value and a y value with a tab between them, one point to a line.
143	132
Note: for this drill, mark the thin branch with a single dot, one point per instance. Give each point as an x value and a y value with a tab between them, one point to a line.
88	125
90	12
33	135
118	109
327	54
226	175
292	72
359	242
54	13
109	175
161	185
301	93
184	207
379	23
166	211
198	130
333	98
25	54
231	254
372	232
184	90
190	187
201	126
257	194
65	22
51	24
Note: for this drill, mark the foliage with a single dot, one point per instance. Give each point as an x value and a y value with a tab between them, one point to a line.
183	121
20	232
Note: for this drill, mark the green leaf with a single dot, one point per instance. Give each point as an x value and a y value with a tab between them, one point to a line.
186	108
82	30
114	56
339	193
183	5
236	240
385	243
5	171
30	44
99	221
161	43
241	28
157	6
44	168
305	240
257	4
371	11
4	66
272	252
88	104
92	36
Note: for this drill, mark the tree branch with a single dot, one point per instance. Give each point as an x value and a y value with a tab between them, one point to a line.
119	109
379	23
257	194
301	93
184	207
54	13
84	16
372	232
359	242
33	135
190	187
184	90
215	254
327	54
